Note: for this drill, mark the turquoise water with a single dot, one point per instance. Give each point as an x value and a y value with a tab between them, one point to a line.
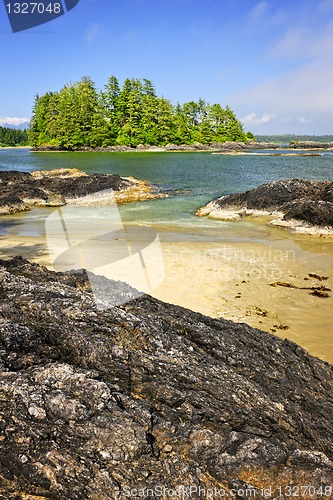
191	179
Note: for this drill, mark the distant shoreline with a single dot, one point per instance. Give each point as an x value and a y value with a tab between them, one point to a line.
15	147
226	147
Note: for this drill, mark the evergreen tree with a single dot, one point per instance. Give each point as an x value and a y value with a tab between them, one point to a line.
39	120
109	101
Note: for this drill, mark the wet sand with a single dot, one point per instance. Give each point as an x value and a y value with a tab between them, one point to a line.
267	283
236	280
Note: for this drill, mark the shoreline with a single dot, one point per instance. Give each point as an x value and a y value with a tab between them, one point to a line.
235	280
15	147
272	219
236	149
227	147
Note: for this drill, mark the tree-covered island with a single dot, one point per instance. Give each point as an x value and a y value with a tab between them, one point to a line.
81	116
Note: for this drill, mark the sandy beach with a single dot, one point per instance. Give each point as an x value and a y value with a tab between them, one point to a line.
277	285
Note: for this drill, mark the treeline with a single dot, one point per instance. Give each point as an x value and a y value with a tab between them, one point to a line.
13	137
79	115
288	138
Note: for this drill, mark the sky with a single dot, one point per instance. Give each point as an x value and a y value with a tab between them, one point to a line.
269	60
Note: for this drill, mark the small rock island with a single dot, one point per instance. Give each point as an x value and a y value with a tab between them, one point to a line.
21	191
297	203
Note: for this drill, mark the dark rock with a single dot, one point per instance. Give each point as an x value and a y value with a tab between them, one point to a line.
273	195
71	187
10	204
310	145
147	395
318	212
22	190
298	199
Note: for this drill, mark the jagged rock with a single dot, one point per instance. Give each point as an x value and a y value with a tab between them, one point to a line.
22	190
310	145
98	403
310	202
319	213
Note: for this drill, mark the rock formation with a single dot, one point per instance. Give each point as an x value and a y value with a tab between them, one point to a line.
107	404
295	201
23	190
311	145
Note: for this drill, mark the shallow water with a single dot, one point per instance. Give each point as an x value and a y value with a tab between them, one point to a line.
191	179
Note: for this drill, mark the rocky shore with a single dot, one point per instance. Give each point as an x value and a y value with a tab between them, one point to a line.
99	404
299	204
311	145
216	147
52	188
196	146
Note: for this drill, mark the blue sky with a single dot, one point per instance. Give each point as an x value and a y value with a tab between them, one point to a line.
270	60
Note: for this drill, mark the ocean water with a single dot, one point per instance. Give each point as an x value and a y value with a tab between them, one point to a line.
190	179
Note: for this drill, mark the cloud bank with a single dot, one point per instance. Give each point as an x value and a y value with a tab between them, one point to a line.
8	120
298	87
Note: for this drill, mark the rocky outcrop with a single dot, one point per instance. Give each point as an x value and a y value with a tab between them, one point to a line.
23	190
295	201
311	145
108	404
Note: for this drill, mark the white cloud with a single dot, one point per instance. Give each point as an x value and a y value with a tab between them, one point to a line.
94	31
305	42
325	6
294	73
305	90
12	120
252	119
302	96
302	119
259	10
265	15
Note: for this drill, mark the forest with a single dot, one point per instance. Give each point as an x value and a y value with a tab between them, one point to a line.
13	137
81	116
